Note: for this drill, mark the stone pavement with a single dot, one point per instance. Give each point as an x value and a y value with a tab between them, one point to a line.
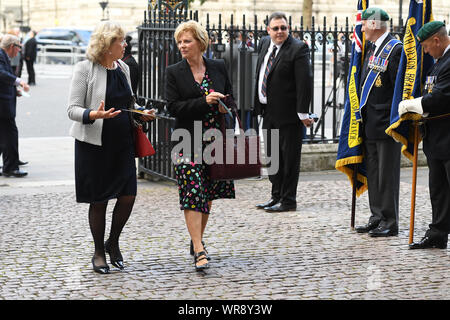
46	245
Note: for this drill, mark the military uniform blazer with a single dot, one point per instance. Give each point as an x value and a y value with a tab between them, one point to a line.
377	111
436	140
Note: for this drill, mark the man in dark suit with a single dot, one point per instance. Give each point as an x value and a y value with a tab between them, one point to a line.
9	138
131	62
435	106
381	152
282	96
30	57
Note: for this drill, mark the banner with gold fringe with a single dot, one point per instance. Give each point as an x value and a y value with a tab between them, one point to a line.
413	67
350	154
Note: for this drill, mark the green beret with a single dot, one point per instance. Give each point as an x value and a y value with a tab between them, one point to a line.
428	29
375	14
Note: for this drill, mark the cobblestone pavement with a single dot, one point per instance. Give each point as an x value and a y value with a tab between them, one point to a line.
46	246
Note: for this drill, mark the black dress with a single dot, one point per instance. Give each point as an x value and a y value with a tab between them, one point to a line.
108	171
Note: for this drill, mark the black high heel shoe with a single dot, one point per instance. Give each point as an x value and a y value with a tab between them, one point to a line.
191	249
199	256
116	262
100	269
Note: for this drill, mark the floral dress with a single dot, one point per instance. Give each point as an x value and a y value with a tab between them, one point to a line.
194	184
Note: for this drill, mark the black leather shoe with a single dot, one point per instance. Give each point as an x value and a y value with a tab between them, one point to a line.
100	269
427	243
16	173
269	203
279	207
383	232
23	163
115	261
366	228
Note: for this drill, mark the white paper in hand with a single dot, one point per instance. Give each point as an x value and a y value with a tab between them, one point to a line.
23	93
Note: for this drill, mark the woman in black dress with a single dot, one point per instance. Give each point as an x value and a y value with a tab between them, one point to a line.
193	88
104	147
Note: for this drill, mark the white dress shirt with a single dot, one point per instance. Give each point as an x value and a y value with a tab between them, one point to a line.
262	98
380	41
445	51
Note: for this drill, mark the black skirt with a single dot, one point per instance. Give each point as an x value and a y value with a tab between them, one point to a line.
108	171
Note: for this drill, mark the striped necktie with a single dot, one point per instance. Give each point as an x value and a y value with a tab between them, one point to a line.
266	72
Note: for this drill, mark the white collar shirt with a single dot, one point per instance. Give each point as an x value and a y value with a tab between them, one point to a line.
380	41
262	98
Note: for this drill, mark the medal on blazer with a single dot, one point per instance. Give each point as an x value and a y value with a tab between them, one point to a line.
376	65
429	83
378	83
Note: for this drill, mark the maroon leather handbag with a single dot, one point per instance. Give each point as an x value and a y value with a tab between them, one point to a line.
246	160
143	147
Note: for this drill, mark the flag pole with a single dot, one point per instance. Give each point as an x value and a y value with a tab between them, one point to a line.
414	182
355	180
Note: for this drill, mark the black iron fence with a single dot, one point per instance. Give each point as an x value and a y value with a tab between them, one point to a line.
237	44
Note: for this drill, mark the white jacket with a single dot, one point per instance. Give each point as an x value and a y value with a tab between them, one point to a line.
87	90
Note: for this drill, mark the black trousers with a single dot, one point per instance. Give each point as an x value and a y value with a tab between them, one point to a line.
9	144
439	184
383	180
285	179
30	70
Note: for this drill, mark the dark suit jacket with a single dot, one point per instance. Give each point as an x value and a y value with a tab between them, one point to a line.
437	132
377	111
7	88
185	100
30	49
134	71
289	83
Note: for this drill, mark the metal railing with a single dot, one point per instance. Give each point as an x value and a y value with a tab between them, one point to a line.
60	54
330	57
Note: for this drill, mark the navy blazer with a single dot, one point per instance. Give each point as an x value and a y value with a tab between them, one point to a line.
185	100
377	111
7	88
436	141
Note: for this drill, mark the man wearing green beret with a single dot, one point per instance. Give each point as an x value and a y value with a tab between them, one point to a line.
434	105
381	152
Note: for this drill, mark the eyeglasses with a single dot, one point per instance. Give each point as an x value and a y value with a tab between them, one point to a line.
17	45
282	28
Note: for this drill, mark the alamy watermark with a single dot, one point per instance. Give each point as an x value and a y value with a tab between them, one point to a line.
213	151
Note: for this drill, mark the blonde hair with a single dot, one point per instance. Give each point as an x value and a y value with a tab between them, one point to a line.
103	36
196	29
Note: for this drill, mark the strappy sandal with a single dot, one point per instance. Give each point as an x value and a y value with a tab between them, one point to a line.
199	256
191	250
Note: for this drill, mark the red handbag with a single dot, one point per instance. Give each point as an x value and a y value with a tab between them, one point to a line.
143	147
250	147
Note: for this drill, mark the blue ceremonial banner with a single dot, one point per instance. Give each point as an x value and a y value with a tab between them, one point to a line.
413	67
350	151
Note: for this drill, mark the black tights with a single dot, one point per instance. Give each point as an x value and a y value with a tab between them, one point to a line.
97	222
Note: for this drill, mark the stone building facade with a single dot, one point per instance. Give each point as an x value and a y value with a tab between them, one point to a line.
39	14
